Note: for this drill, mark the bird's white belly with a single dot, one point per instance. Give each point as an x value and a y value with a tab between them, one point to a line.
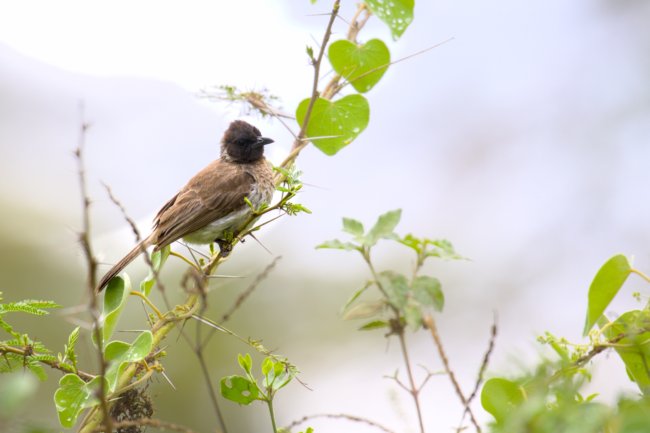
231	222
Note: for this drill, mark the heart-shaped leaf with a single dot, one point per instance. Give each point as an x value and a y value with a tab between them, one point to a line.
120	354
335	124
73	396
362	65
397	14
239	389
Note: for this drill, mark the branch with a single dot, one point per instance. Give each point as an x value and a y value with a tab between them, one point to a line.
338	416
54	364
150	422
431	325
84	238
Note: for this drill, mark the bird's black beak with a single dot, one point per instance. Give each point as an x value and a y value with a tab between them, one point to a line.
262	141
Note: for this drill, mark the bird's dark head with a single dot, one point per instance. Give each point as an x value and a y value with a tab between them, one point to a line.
242	142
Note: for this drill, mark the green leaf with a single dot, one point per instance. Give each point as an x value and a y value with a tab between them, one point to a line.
245	362
354	227
115	295
335	124
239	389
364	310
73	396
336	244
276	375
69	348
29	306
427	291
500	397
375	324
634	348
413	315
604	287
120	354
354	296
383	228
361	65
397	14
158	259
396	287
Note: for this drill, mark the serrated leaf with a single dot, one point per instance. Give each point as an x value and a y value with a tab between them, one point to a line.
354	227
384	227
73	396
158	259
364	310
239	389
375	324
120	354
427	290
397	14
606	284
336	244
335	124
361	65
500	397
115	295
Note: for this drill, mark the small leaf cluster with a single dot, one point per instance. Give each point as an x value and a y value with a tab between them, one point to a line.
405	299
289	188
246	389
21	351
550	400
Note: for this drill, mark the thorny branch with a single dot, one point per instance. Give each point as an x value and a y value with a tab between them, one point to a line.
84	238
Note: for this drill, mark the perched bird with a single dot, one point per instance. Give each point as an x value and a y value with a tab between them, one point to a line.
213	201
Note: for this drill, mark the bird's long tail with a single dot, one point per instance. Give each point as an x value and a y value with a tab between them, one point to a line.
117	268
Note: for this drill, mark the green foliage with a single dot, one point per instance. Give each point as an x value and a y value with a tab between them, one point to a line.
120	354
406	299
335	124
361	65
606	284
73	396
115	295
550	400
397	14
245	389
631	332
158	259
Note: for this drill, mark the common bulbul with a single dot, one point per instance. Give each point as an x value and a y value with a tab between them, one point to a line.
213	201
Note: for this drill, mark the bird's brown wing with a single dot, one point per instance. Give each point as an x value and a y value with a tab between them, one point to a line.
213	193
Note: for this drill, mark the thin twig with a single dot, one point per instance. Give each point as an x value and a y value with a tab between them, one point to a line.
249	290
338	416
138	238
482	369
91	261
431	325
299	143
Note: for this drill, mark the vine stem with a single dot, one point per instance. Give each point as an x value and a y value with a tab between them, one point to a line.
269	403
398	329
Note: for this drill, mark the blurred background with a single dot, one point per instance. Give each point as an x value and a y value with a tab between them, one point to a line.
524	141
